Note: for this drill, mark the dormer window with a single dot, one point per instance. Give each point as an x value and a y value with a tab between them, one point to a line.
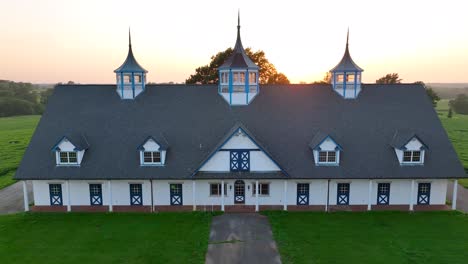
412	156
152	152
68	157
152	157
327	157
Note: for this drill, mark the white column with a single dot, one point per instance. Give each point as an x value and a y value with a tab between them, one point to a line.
222	196
25	196
369	197
454	197
256	196
67	183
194	196
109	189
411	196
285	196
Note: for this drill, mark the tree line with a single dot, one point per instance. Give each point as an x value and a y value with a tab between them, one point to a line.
18	98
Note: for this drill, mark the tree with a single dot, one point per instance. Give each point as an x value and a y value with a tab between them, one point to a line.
449	115
430	93
460	104
390	78
208	74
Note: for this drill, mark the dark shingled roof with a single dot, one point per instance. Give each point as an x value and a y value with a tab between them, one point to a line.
319	138
402	137
194	119
77	139
160	140
347	64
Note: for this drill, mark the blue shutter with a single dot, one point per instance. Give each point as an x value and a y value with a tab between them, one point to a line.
240	160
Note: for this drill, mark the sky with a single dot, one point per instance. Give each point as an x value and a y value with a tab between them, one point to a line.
84	41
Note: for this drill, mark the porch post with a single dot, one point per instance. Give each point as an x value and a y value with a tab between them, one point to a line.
411	196
222	195
194	196
25	196
256	196
454	197
285	196
369	206
68	196
109	189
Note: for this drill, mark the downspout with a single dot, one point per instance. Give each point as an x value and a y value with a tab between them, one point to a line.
328	196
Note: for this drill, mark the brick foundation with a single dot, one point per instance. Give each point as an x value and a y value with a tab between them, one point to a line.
390	207
432	207
48	208
270	207
208	208
173	208
90	208
306	208
132	208
350	208
239	208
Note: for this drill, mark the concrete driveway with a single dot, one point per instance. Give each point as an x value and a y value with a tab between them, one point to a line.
462	196
11	198
241	238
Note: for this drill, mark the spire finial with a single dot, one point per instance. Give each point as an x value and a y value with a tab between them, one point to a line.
129	38
347	38
238	19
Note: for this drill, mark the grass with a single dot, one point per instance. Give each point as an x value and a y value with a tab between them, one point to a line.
104	238
15	134
374	237
457	130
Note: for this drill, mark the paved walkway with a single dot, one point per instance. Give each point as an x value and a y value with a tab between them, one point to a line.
11	198
241	238
462	196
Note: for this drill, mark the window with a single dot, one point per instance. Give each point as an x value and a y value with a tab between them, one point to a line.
136	194
55	191
339	78
242	77
236	77
95	194
127	78
224	77
215	189
327	157
412	156
68	157
137	78
151	157
264	189
240	160
252	77
350	77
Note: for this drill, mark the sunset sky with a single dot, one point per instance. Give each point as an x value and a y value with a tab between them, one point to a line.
52	41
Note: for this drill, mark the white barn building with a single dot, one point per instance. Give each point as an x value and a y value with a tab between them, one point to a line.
239	145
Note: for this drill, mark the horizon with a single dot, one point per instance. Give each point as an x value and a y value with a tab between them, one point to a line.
52	41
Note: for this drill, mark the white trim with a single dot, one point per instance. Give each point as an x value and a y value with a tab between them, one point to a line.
25	196
67	186
109	188
256	196
369	205
454	196
194	196
285	196
222	195
411	204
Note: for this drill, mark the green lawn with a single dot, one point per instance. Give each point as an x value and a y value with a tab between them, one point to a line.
104	238
457	130
15	133
374	237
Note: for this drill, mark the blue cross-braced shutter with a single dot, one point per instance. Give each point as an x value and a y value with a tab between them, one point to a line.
424	192
136	194
303	194
240	160
55	191
176	194
383	193
95	194
342	194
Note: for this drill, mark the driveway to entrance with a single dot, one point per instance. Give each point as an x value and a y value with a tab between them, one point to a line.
11	198
241	238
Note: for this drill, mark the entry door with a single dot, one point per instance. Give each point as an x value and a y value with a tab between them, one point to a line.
55	191
424	192
176	194
239	192
343	194
383	193
302	194
95	194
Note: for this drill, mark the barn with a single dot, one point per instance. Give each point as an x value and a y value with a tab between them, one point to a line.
239	145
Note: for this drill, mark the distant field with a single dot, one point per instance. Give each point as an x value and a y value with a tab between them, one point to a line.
15	134
457	130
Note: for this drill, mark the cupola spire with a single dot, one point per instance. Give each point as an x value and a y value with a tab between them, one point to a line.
346	76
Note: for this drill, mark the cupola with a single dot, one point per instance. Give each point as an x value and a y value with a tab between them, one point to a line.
130	77
238	75
346	76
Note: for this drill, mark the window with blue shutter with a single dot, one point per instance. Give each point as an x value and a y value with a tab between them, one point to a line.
240	160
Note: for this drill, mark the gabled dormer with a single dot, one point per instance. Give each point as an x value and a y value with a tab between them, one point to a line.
326	150
346	76
152	152
70	150
130	76
409	148
238	76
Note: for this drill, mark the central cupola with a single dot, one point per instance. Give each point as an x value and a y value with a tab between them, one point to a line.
130	76
238	76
